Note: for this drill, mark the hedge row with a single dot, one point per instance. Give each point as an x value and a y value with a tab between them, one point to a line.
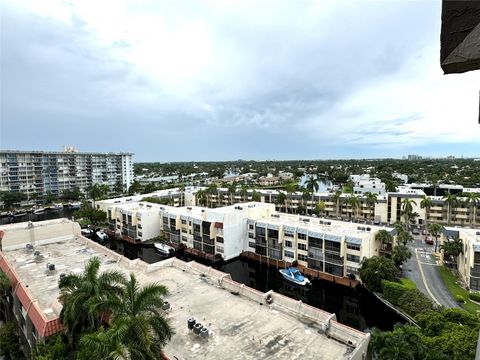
406	297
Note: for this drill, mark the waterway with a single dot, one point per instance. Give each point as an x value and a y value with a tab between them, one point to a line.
354	307
47	215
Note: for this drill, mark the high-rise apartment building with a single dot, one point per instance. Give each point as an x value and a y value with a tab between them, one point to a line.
36	173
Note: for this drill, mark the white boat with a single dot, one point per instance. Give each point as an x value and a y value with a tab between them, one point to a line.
75	205
39	211
20	213
101	236
56	207
294	275
164	249
87	232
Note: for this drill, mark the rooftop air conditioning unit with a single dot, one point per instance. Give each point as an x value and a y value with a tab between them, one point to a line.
369	229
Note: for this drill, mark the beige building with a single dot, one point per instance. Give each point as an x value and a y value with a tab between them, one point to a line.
469	261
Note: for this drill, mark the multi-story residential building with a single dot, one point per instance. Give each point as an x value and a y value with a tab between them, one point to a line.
395	205
330	246
365	183
469	261
36	173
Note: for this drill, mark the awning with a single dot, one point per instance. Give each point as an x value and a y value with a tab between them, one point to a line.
273	226
353	240
331	237
290	229
315	234
302	231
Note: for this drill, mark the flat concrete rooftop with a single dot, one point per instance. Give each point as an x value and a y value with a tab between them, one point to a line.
241	323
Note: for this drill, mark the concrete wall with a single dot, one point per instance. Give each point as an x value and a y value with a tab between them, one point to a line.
18	235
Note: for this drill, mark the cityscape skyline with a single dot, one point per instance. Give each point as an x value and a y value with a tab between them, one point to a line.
237	80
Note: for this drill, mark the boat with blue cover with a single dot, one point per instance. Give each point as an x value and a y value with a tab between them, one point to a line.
294	275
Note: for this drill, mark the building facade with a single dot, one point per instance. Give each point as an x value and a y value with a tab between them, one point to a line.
468	261
37	173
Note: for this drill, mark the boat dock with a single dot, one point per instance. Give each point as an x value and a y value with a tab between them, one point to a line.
311	273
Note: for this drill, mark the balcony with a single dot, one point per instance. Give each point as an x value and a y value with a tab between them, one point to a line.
334	260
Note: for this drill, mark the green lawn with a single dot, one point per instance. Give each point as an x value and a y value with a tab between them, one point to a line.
450	281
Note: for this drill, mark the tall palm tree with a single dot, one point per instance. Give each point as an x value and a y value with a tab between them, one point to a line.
354	202
472	199
290	188
138	329
407	210
451	201
435	229
77	290
202	198
336	198
426	203
312	184
305	198
232	189
181	188
371	200
281	199
244	192
212	189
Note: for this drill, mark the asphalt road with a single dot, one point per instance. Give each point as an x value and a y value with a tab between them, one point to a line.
431	284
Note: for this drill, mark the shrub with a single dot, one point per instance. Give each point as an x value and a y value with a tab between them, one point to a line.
409	284
392	291
459	298
474	296
414	302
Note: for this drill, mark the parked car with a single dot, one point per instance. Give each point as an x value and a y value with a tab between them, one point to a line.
428	240
415	231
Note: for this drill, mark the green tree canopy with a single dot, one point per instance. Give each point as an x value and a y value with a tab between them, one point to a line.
375	269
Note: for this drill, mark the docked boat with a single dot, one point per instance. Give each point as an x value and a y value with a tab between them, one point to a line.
101	236
56	207
75	205
39	211
294	275
88	233
164	249
20	213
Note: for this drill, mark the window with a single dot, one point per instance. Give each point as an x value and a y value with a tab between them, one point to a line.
302	236
353	258
353	247
250	226
289	254
302	257
352	270
220	239
288	243
184	222
251	244
302	247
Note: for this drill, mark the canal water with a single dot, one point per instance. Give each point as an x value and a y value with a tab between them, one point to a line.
354	307
357	308
47	215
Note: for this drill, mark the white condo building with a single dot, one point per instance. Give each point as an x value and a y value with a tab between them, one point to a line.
36	173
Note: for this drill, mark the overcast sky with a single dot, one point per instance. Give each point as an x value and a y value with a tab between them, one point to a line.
223	80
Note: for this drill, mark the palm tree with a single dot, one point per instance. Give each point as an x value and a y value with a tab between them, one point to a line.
312	184
290	188
212	190
354	202
336	198
391	185
472	199
451	201
232	189
139	329
201	197
256	196
95	192
435	229
385	238
305	198
452	249
181	188
244	192
77	290
281	199
371	200
407	210
426	203
320	207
